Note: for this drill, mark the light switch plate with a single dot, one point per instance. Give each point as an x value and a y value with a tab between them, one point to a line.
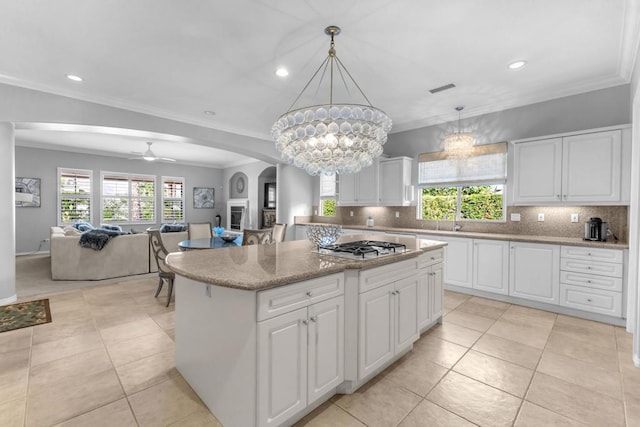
350	213
540	217
397	214
515	217
575	217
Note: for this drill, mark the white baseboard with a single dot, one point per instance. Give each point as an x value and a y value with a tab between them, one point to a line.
32	253
11	299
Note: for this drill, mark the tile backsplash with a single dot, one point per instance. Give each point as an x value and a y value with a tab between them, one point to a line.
557	220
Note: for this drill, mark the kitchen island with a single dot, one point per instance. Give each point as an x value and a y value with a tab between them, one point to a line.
266	333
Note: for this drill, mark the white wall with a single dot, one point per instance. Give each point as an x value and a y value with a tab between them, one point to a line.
295	194
32	224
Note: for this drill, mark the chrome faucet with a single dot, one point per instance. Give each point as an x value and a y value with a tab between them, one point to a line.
455	227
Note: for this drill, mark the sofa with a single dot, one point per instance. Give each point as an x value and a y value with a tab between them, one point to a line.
123	256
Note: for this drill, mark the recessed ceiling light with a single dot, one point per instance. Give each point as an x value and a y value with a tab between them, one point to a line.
210	113
517	64
74	78
282	72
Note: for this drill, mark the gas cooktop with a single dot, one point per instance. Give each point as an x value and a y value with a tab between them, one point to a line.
363	249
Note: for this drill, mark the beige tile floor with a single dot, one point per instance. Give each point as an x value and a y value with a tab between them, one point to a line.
107	359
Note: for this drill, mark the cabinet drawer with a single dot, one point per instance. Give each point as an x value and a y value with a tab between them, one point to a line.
378	276
592	254
591	281
430	258
593	300
284	299
591	267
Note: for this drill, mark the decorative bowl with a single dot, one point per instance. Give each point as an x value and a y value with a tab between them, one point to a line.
228	237
323	234
218	230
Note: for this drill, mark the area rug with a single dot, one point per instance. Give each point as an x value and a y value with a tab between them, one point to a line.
24	314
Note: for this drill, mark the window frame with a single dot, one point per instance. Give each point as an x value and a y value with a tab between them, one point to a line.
182	180
458	209
327	192
130	178
89	196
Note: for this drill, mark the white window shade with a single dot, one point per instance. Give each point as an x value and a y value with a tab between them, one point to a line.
327	185
488	163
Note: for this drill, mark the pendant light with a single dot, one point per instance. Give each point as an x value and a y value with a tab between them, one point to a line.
459	144
329	138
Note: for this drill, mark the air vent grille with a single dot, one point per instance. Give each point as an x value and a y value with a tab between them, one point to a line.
441	88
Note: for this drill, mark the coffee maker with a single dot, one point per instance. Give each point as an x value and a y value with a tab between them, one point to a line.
596	230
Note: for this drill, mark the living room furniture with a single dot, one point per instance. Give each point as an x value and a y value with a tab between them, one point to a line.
256	237
202	230
123	256
279	231
160	253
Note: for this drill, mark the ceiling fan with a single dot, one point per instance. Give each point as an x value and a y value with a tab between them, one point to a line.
150	156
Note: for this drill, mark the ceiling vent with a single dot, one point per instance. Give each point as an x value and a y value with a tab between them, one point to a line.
441	88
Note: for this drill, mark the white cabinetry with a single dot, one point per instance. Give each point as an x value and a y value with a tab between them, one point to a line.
491	265
300	350
459	257
585	168
360	189
387	315
534	271
430	288
395	181
591	279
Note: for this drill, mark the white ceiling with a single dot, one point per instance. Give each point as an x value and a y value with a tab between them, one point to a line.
177	59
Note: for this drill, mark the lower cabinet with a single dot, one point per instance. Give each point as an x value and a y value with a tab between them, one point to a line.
491	266
300	358
430	288
534	271
388	323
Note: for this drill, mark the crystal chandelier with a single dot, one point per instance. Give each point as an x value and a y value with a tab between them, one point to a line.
331	138
458	144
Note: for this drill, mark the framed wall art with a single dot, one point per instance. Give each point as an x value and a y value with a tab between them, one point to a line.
27	192
203	197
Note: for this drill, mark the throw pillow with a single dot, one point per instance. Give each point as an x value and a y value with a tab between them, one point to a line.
83	226
71	231
111	227
172	228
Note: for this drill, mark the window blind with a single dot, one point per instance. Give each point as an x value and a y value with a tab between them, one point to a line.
327	185
487	163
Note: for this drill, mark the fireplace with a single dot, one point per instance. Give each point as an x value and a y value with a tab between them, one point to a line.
237	210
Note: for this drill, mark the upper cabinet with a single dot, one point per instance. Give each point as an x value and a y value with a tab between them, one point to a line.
395	181
385	183
588	168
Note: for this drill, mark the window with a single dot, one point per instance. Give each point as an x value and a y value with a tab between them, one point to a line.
173	199
128	199
74	195
464	188
327	195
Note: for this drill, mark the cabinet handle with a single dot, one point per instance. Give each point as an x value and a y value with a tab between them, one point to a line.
564	196
589	267
588	281
589	253
313	318
305	321
395	293
433	257
588	299
557	196
309	293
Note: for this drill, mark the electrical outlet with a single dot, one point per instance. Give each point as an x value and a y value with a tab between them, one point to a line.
575	217
397	214
45	240
540	217
515	217
350	213
315	212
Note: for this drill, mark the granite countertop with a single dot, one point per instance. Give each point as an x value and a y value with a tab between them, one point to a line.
569	241
258	267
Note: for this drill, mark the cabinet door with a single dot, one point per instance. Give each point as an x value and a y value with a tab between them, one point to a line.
375	329
535	272
282	367
537	171
424	298
436	287
458	261
406	315
326	347
367	186
491	266
591	167
347	190
395	177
